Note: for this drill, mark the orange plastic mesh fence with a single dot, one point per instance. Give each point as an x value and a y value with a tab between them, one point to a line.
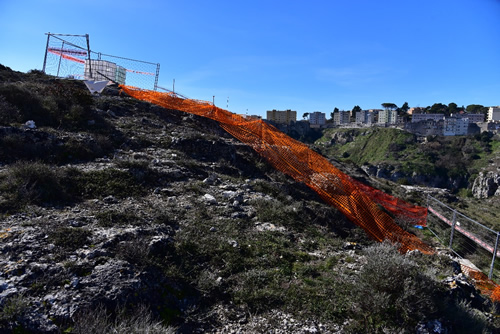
483	283
358	202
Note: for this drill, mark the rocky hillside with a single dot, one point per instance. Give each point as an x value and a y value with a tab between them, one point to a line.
120	216
446	162
466	167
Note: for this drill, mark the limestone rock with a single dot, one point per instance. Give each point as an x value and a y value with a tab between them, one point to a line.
486	185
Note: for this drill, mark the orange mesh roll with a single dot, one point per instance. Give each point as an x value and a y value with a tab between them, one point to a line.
356	201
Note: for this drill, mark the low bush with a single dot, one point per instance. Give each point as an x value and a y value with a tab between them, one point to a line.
30	183
393	291
111	218
100	321
8	112
70	238
12	309
106	182
57	103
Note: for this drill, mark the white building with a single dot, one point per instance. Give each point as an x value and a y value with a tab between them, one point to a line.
425	117
494	114
473	118
387	116
364	117
341	117
455	126
282	116
317	119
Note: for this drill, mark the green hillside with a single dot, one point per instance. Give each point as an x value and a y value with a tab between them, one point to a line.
448	157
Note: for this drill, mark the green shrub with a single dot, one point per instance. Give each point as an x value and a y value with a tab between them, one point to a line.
107	182
277	212
13	308
70	238
60	103
89	148
28	99
137	321
30	183
393	290
110	218
135	252
8	112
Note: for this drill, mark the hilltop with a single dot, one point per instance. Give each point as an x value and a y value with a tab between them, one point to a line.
118	214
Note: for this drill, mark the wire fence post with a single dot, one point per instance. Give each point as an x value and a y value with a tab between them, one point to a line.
60	58
156	76
427	216
46	50
454	222
490	275
88	53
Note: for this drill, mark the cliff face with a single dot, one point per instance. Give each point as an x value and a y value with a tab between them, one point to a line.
486	184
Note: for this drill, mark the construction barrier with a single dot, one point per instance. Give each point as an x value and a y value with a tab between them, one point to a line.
481	281
359	203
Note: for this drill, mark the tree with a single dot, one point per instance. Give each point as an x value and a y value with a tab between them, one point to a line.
404	108
355	109
306	114
476	109
438	108
390	106
333	112
452	108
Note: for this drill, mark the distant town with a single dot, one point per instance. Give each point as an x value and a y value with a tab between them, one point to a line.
452	121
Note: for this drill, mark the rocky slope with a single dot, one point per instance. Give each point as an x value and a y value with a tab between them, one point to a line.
116	215
486	185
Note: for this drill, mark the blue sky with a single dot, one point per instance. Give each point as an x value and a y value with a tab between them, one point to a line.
301	55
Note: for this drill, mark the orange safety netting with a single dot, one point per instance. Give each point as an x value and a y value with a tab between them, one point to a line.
487	286
358	202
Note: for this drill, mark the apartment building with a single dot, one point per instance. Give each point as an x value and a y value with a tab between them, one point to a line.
317	119
387	116
342	117
426	117
282	116
364	117
455	126
473	118
494	114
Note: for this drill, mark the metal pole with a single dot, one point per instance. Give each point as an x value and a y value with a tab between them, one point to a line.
156	76
46	50
490	275
454	222
88	52
60	57
427	216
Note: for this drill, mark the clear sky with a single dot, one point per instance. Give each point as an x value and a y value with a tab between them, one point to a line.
301	55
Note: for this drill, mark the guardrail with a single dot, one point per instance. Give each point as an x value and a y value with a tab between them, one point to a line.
464	236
